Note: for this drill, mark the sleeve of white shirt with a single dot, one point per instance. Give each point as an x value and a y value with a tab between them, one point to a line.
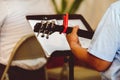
106	39
3	13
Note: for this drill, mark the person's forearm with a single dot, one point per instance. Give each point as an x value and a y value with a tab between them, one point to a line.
81	54
87	59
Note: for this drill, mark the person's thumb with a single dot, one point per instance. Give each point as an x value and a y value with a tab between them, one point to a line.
75	29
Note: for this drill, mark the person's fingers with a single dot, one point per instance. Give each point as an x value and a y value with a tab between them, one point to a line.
75	29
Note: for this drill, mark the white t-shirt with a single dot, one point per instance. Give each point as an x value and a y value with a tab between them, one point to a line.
13	26
106	41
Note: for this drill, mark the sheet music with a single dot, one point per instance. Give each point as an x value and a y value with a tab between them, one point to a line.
58	41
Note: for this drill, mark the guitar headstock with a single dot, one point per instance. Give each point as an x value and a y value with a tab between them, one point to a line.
47	27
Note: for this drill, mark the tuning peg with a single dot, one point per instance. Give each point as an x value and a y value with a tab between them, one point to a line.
47	36
43	34
38	33
40	25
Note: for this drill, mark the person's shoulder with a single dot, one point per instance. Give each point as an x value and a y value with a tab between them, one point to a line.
116	4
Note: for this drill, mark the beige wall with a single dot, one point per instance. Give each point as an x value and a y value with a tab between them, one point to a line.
93	10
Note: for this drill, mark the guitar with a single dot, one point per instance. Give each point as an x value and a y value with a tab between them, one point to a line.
50	27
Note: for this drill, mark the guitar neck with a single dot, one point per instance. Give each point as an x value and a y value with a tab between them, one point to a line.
80	32
59	28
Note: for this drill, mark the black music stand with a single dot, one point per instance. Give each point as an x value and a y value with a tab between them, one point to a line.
58	53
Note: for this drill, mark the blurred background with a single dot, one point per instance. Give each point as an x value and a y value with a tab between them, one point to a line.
92	10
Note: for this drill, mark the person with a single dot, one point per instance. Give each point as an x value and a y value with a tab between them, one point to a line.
13	26
103	53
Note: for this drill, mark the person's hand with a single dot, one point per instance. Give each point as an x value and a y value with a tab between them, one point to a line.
72	37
